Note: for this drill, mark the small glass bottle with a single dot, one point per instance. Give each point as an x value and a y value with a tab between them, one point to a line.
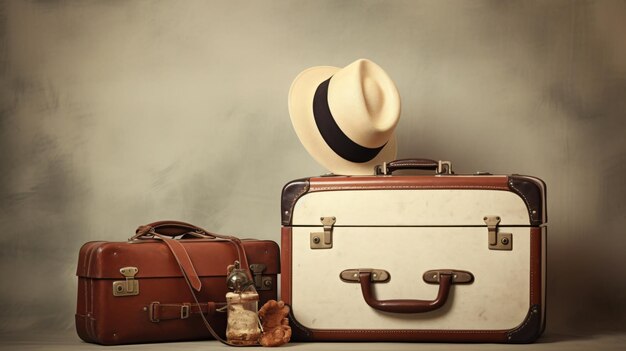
242	307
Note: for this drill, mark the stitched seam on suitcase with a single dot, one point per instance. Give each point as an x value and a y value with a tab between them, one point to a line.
520	328
297	197
533	258
520	193
409	331
375	187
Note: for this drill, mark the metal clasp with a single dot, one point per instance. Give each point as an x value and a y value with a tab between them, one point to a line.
495	240
184	311
128	287
444	167
261	282
324	240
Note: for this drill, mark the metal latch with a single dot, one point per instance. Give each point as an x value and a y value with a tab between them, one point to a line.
184	311
324	240
497	241
261	282
444	167
128	287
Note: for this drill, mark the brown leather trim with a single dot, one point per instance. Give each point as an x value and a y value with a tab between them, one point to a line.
292	191
533	191
532	327
411	335
285	266
535	266
303	334
408	182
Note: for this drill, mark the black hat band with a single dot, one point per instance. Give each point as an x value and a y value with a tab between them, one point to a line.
334	137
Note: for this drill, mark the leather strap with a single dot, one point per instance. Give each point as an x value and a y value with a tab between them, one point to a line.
184	261
206	322
161	311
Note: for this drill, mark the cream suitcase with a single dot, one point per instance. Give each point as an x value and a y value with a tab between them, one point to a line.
440	257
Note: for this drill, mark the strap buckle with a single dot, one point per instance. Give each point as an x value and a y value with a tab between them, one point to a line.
184	311
157	310
153	312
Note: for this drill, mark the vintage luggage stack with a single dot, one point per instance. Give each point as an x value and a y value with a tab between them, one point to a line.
435	257
145	290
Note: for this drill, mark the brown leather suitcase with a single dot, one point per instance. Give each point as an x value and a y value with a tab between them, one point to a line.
154	287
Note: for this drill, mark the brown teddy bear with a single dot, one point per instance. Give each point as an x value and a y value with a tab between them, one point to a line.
276	330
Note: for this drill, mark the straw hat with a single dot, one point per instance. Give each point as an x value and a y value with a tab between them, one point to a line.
346	117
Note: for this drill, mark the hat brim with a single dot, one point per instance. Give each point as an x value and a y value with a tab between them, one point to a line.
300	104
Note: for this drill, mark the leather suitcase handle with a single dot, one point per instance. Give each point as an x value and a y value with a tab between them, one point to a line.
405	306
172	228
439	167
176	228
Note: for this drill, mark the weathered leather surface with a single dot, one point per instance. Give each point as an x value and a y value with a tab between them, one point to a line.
106	319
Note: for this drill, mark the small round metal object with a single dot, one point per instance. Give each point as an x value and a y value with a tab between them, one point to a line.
119	288
267	283
237	280
316	240
504	241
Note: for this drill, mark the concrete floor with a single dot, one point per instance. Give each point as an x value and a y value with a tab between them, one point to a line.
557	342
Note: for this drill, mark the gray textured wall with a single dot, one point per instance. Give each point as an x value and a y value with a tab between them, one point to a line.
114	114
